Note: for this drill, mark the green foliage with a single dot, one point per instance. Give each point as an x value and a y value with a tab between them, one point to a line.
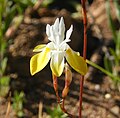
10	8
18	100
112	56
4	85
11	13
4	80
117	8
56	113
25	3
3	66
46	3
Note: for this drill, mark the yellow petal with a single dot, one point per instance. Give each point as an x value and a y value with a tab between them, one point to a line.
76	62
39	48
57	63
39	61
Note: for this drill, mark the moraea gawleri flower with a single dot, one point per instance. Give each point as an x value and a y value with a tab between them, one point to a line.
56	51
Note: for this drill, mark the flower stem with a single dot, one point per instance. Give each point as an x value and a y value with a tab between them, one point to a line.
62	106
55	85
59	100
84	55
80	96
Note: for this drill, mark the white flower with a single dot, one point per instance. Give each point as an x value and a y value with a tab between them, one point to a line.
56	51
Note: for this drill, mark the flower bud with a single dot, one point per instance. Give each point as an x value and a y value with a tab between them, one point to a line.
68	75
68	80
65	92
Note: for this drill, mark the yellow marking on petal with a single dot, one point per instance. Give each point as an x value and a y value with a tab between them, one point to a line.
39	48
39	61
57	64
76	62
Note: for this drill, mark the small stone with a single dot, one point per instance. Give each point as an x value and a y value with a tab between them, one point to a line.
97	87
115	110
107	96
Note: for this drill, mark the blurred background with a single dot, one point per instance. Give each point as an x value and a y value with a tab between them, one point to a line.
22	27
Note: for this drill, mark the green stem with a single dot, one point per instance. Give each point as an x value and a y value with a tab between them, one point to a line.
100	68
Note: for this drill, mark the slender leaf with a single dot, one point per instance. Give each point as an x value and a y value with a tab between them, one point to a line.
110	20
107	64
117	8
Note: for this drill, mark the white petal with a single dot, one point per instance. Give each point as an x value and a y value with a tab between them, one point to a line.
69	32
63	46
56	25
61	28
57	63
52	36
48	30
51	45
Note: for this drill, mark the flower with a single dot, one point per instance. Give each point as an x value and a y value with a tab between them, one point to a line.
56	51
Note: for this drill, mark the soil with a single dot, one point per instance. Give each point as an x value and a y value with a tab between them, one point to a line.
100	100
